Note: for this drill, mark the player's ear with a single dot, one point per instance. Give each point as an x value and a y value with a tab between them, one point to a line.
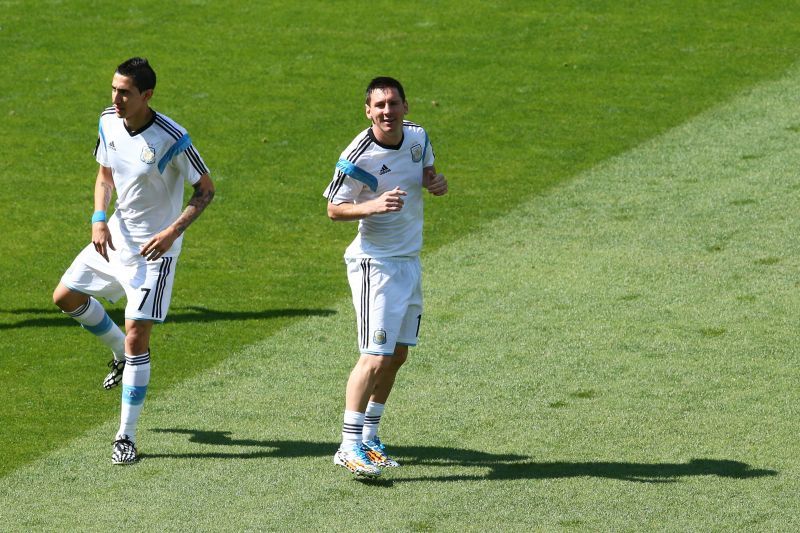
148	94
366	112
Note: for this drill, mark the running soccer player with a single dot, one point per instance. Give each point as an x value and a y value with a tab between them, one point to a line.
145	157
378	181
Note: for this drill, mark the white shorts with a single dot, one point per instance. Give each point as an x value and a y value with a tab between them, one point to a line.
387	296
146	284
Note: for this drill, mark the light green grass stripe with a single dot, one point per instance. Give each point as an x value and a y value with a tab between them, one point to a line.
616	354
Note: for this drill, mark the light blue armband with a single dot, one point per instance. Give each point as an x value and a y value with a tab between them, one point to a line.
358	174
99	216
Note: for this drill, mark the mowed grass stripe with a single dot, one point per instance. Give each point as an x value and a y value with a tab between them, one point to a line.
616	354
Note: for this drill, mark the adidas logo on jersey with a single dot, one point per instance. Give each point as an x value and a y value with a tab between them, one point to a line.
384	170
111	145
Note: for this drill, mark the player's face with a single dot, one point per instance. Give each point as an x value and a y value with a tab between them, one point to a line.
386	110
128	102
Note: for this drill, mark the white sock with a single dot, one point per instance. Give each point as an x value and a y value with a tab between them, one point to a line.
94	319
351	429
135	379
371	420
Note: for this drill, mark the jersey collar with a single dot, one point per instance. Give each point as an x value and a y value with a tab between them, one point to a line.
386	146
134	133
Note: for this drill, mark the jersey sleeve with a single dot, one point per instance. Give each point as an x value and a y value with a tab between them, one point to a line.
100	149
349	180
185	158
427	154
343	188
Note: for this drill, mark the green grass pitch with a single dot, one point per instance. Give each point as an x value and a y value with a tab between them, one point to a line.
611	294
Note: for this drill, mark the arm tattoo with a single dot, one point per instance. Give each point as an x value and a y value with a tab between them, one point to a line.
197	203
108	190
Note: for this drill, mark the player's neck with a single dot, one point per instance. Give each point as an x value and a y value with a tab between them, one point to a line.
386	138
137	122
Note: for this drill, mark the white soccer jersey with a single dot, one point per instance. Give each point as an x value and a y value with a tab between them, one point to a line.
149	167
367	169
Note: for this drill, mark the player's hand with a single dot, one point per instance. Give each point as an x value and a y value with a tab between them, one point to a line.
390	201
101	238
435	183
159	244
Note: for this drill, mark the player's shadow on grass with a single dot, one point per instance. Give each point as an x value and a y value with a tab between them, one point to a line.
638	472
500	466
179	314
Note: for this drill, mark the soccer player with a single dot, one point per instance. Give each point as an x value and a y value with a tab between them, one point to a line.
145	157
378	181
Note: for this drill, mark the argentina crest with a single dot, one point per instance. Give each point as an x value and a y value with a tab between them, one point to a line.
379	336
148	154
416	153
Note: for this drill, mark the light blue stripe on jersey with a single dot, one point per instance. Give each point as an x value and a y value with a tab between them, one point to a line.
180	145
100	129
358	174
425	148
102	328
133	395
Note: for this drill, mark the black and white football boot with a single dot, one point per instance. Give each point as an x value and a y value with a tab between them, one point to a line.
115	376
124	451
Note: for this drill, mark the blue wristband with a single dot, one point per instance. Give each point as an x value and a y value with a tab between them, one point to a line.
99	216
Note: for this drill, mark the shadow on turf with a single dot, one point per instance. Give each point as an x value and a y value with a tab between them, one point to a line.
500	466
180	314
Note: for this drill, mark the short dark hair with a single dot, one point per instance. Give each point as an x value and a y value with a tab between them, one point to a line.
140	71
384	82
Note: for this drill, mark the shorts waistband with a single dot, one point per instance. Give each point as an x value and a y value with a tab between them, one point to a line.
379	260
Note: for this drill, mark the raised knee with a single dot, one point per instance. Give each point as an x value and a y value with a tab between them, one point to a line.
67	300
58	297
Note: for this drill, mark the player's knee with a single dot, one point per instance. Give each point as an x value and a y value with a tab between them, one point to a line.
391	363
137	338
136	345
67	300
58	298
370	365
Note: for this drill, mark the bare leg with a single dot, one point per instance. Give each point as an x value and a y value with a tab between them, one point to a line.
68	300
387	375
372	379
137	338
